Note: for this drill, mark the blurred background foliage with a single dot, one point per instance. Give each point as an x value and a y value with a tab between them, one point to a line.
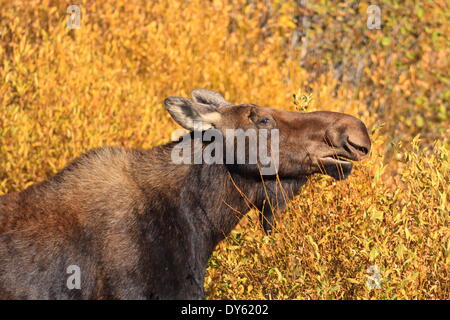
64	91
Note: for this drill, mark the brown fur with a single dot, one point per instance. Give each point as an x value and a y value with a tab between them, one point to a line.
142	227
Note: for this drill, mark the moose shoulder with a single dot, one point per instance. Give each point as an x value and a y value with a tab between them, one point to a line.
140	225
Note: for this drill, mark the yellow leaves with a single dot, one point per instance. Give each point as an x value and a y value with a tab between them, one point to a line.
373	254
376	214
315	246
401	250
286	21
63	92
278	274
302	100
322	254
447	252
408	234
353	281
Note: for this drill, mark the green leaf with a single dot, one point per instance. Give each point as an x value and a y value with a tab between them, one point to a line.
373	253
385	41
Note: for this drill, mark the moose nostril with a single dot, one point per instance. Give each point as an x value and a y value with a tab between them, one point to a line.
347	148
362	149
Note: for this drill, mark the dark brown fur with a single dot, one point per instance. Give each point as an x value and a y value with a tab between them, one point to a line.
141	227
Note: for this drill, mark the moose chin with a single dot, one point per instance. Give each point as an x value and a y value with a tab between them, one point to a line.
135	224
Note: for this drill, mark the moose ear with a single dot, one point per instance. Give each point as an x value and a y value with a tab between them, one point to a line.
209	97
192	115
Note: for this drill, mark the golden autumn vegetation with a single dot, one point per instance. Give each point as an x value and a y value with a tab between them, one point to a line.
382	234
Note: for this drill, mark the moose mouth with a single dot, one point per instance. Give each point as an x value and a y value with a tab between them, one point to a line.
337	166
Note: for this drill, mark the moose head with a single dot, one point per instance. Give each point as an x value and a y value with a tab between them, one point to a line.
307	143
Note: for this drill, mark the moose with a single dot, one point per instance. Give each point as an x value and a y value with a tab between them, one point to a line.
137	225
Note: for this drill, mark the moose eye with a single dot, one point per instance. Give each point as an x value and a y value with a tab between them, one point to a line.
260	120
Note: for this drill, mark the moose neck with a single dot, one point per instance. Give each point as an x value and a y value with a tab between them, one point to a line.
219	198
220	195
225	197
210	199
